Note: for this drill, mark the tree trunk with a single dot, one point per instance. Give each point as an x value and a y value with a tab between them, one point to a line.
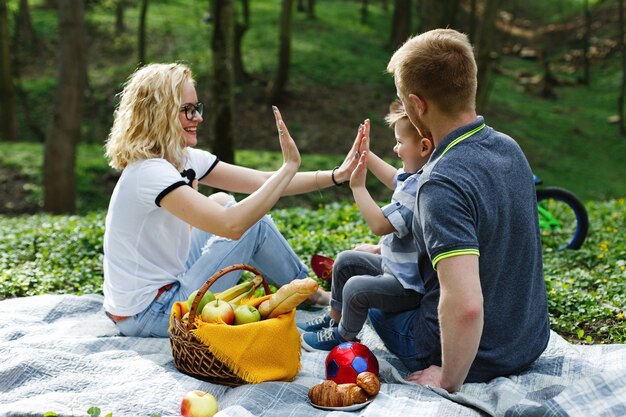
364	12
310	9
401	23
241	75
277	87
472	22
120	27
64	131
141	41
223	106
622	48
24	32
586	64
438	14
484	51
8	107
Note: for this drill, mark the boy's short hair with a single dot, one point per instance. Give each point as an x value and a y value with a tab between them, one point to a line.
439	66
396	113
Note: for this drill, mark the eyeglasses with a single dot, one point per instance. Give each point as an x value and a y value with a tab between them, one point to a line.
191	110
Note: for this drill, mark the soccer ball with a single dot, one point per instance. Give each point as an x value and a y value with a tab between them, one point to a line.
348	360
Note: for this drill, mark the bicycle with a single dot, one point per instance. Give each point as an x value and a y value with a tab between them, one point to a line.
563	219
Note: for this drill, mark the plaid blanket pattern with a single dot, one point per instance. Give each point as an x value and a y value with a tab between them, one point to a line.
60	353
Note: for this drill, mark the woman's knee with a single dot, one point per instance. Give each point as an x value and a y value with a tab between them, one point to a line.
221	198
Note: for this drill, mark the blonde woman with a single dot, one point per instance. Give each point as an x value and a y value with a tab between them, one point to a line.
163	238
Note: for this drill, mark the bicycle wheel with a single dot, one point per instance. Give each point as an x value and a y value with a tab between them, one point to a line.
563	219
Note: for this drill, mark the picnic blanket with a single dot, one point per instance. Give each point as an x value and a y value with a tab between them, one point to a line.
61	353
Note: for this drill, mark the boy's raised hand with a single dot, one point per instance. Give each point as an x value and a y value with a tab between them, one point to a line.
357	179
352	158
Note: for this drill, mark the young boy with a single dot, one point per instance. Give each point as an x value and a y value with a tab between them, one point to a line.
393	282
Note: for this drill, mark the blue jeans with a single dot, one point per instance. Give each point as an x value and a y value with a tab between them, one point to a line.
397	332
262	246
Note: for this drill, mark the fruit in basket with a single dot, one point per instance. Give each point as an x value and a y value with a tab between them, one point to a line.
288	297
346	361
218	311
235	293
198	404
246	314
207	297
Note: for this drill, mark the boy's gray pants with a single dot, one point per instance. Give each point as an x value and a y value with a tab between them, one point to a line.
359	283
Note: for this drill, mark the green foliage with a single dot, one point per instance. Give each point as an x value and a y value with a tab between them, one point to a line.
587	288
51	254
42	254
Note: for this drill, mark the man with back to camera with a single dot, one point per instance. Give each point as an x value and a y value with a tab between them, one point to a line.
485	312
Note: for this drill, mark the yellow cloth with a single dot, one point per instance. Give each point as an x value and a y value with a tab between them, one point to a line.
267	350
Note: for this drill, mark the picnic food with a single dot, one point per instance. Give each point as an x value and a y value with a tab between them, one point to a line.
218	311
288	297
369	382
208	296
238	292
331	394
246	314
198	404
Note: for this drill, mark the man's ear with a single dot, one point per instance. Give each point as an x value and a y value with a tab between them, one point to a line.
426	146
419	103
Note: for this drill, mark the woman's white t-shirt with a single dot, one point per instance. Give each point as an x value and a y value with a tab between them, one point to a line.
146	247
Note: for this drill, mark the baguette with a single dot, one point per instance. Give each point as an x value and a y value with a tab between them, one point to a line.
288	297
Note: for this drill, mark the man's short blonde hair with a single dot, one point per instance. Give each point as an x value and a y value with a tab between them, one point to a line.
438	66
146	123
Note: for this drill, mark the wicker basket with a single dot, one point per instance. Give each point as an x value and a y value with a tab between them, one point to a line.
191	356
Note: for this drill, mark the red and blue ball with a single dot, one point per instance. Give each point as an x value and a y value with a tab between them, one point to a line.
348	360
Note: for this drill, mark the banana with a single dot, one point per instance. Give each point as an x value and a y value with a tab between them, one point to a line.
247	294
233	292
240	289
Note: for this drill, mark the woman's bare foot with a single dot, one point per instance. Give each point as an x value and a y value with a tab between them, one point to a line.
321	298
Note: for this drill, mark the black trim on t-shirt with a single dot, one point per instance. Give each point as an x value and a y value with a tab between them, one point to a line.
210	169
165	192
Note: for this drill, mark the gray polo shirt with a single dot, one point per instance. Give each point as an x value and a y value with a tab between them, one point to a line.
476	195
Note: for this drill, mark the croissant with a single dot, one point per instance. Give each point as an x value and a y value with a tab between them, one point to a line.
329	394
369	382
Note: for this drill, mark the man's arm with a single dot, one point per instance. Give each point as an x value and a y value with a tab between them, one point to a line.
460	317
460	322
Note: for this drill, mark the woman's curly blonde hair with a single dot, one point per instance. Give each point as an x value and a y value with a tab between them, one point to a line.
146	123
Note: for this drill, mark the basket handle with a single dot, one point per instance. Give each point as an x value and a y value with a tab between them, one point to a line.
205	287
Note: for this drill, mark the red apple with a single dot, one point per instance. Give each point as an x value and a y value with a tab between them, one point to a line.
218	311
198	404
246	314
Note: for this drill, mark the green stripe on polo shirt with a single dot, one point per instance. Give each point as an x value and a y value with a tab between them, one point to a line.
454	253
462	138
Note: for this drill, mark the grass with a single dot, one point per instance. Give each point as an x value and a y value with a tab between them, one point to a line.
42	254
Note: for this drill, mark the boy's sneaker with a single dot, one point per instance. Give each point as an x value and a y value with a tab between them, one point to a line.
318	323
325	339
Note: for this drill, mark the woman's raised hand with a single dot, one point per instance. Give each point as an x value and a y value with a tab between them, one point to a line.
291	154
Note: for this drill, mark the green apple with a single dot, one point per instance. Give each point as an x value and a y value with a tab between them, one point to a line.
246	314
198	404
208	296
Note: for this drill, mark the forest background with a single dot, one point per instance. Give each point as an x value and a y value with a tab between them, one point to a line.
552	77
